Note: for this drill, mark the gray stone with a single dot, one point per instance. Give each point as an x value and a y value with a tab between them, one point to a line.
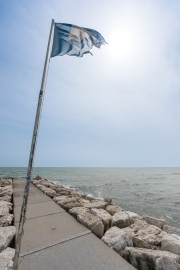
108	199
104	215
50	192
121	220
5	182
6	236
113	209
171	230
117	239
38	177
78	211
92	222
63	202
7	190
96	204
145	235
5	207
6	259
146	259
59	198
6	220
124	219
78	194
90	198
155	221
6	198
171	243
70	205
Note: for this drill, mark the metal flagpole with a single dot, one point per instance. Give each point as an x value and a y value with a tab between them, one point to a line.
32	151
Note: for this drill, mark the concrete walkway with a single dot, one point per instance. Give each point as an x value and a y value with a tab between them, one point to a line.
54	240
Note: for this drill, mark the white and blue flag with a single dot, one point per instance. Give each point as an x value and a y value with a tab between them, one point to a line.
74	40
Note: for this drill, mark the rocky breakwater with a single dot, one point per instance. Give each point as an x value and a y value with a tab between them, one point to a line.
145	242
7	231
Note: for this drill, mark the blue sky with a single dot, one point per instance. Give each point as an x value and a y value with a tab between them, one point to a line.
119	107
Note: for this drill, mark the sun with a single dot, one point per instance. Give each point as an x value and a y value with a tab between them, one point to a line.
124	43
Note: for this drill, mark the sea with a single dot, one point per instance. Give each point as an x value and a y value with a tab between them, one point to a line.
145	191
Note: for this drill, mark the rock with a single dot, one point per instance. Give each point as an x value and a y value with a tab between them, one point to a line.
6	198
59	198
171	243
38	177
155	221
132	216
145	235
113	209
90	198
117	239
5	182
50	192
146	259
108	199
92	222
7	205
124	219
7	190
6	236
48	184
171	230
78	194
121	220
96	204
6	259
63	202
63	192
78	211
105	216
6	220
70	205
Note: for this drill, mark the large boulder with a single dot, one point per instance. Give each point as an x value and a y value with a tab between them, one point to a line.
145	235
113	209
171	242
62	202
90	198
96	204
6	259
92	222
104	215
6	220
6	198
77	194
78	211
117	239
147	259
5	182
38	177
48	184
7	190
6	236
59	198
70	205
155	221
108	199
124	219
5	208
171	230
50	192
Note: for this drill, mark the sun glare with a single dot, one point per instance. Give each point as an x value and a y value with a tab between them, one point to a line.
124	43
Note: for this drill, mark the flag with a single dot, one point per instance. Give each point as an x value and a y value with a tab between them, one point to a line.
74	40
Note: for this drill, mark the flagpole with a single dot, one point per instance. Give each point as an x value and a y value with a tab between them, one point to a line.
32	151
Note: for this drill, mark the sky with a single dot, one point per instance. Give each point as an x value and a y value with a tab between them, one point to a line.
117	108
